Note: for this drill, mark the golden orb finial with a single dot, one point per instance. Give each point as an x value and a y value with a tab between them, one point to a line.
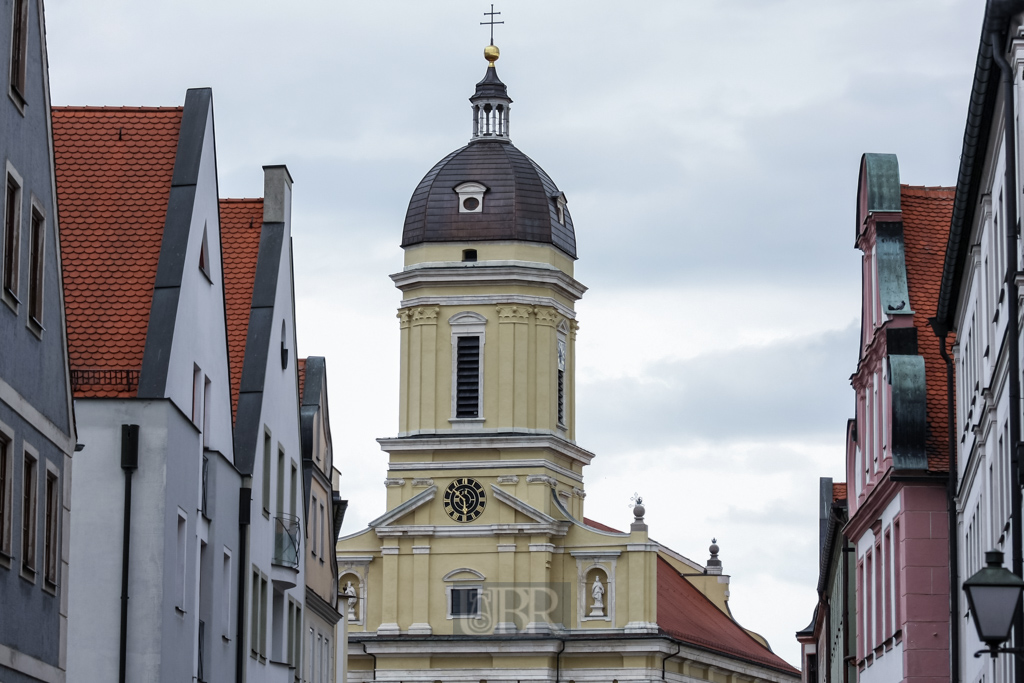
491	54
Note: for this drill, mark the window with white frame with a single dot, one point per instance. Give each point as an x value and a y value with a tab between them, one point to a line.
467	365
225	586
563	332
12	236
254	614
471	197
464	592
36	266
323	531
19	50
51	528
313	546
6	493
29	497
181	560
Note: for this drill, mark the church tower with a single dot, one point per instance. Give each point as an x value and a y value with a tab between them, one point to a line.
483	566
487	316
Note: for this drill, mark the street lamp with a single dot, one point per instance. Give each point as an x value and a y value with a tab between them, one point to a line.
993	595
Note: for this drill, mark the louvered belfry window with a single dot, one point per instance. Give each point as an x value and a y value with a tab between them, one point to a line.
467	377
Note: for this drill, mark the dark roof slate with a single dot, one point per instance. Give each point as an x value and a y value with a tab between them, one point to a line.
519	203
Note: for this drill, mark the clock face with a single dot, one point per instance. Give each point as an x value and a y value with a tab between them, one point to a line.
464	500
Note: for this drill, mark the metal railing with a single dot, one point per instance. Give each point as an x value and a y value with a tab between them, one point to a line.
286	540
123	380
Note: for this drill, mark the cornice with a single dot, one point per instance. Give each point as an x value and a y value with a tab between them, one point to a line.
478	442
455	274
491	300
484	465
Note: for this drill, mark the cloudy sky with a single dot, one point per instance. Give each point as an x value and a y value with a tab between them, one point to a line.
709	152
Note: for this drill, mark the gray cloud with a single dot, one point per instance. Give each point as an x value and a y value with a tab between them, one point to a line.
788	389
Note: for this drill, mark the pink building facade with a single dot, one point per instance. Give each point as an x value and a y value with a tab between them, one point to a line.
896	457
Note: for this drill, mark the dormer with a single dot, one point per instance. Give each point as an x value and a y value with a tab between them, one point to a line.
471	196
879	235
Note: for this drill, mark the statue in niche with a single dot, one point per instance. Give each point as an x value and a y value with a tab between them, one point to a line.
597	593
350	594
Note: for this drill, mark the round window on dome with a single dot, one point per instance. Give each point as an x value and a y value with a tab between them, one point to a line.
470	203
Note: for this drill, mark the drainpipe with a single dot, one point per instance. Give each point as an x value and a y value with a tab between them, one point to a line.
366	652
849	659
129	463
244	517
664	660
558	661
1013	329
951	491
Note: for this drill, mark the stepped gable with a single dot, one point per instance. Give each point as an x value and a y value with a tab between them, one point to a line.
241	223
685	614
113	170
927	212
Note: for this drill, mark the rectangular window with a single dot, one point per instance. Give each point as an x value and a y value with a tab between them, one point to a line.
266	473
561	381
320	658
294	492
861	636
19	47
50	542
897	578
887	545
291	633
280	481
207	386
264	606
879	592
323	531
12	230
28	515
182	558
225	586
467	377
5	495
197	396
254	620
35	268
312	507
465	602
297	639
312	656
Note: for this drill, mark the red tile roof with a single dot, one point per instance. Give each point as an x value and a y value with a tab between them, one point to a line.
114	167
241	222
926	216
302	378
599	526
838	492
687	615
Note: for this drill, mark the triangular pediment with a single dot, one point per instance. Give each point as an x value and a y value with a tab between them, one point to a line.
405	508
521	507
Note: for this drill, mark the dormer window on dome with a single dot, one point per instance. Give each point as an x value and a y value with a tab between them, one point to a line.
559	200
471	197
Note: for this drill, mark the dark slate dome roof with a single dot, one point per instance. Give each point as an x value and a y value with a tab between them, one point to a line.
520	202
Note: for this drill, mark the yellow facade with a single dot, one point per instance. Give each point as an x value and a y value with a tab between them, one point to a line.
529	553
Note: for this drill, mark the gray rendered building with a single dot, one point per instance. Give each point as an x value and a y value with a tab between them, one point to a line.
37	432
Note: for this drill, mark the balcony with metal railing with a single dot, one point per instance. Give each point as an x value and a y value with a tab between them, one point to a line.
286	550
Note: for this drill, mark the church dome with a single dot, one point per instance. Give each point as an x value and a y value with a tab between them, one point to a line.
488	190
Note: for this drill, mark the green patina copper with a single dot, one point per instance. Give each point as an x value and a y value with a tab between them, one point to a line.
892	269
909	413
883	182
